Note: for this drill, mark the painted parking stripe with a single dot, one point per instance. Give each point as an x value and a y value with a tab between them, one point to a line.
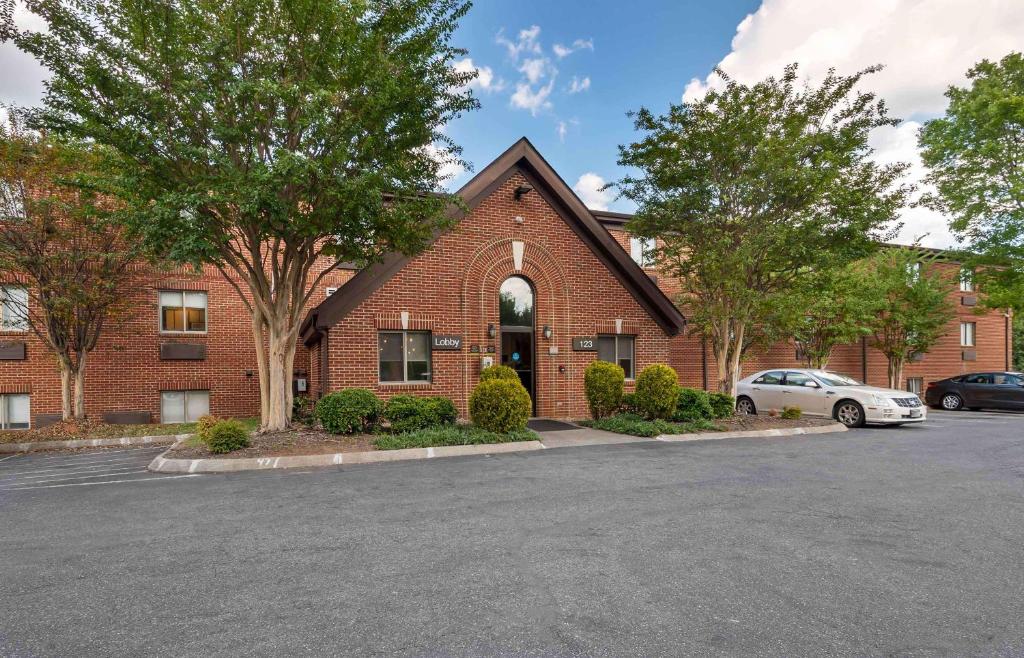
95	476
78	466
91	484
65	474
3	459
90	455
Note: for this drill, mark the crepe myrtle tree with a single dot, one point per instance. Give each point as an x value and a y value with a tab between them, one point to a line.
267	137
61	248
911	311
975	160
752	188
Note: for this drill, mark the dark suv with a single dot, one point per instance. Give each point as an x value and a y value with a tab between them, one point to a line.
978	390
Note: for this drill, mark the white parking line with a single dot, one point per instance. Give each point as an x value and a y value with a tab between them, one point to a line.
3	459
90	455
96	476
78	467
62	474
92	484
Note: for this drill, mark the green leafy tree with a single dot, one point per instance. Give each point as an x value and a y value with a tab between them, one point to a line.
975	158
270	138
830	308
59	244
751	188
912	311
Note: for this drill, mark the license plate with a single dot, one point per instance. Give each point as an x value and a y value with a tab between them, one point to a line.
915	413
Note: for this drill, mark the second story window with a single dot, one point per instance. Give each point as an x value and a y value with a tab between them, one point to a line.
967	330
642	251
183	310
966	280
13	308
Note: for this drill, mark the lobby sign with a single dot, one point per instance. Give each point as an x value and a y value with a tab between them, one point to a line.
584	344
441	342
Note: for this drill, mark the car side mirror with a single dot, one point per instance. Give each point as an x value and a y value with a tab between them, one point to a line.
810	384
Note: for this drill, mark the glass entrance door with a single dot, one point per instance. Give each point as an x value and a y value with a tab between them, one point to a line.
517	353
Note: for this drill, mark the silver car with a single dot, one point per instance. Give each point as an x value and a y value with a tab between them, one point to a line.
822	393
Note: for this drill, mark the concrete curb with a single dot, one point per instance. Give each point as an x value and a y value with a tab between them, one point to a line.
92	443
162	465
748	434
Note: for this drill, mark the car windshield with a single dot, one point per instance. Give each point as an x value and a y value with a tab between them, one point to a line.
835	379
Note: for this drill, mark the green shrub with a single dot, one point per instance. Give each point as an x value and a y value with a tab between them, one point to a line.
656	394
227	436
602	384
499	372
723	405
629	404
451	435
407	413
791	413
692	404
500	405
638	426
348	411
203	426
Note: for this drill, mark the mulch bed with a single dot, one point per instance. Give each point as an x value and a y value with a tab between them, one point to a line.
76	430
297	441
740	423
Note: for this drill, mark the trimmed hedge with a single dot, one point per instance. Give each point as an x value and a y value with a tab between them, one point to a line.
791	413
723	405
500	405
603	383
499	372
348	411
656	394
451	435
692	404
408	413
227	436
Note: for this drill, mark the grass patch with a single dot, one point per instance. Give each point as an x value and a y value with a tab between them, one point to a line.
450	435
638	426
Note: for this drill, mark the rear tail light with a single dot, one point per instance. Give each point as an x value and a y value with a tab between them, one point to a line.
932	384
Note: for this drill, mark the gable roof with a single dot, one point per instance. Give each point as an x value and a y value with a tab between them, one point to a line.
521	157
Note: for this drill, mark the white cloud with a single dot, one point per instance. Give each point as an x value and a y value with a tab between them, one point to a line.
450	170
579	44
577	85
925	46
588	189
526	42
526	97
484	80
562	129
534	69
22	81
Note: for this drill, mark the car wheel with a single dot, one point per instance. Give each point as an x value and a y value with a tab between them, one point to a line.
952	402
850	413
745	407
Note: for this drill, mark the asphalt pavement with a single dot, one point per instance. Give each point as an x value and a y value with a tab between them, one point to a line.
899	541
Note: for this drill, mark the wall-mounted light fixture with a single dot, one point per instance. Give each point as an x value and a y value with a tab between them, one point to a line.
491	332
248	373
547	331
522	191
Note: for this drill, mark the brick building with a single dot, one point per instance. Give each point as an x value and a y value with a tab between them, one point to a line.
529	277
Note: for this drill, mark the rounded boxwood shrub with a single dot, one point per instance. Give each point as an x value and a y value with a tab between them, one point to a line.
500	405
656	394
723	405
407	413
348	411
227	436
602	384
791	413
693	404
499	372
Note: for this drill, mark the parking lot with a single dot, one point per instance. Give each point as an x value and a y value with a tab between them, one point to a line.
877	541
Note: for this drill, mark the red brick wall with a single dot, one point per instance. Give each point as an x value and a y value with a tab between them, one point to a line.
453	289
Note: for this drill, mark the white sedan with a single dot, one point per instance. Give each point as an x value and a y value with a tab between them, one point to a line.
821	393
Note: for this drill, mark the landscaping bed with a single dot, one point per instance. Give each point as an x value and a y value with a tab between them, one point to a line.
72	431
637	426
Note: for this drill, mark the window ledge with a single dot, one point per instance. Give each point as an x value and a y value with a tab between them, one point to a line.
182	334
404	385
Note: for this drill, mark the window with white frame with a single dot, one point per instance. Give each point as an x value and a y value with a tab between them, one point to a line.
183	406
13	308
618	350
966	280
915	385
404	356
642	251
967	330
14	411
183	311
914	271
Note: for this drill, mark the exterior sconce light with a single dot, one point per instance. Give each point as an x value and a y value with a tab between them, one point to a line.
491	331
547	331
522	191
248	374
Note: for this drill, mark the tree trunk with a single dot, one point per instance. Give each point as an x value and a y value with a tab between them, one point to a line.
281	341
80	388
66	376
737	352
895	371
259	336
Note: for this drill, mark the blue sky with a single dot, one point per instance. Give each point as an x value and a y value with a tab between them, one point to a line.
624	54
630	55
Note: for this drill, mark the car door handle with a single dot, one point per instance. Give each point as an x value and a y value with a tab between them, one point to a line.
830	392
756	388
